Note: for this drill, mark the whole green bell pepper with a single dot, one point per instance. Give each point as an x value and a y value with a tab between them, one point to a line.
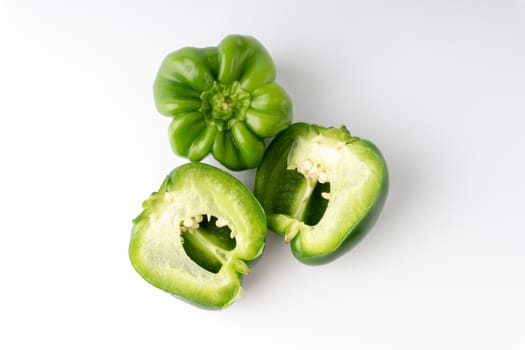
321	188
197	234
223	100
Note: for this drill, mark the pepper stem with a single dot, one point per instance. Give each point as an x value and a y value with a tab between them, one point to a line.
224	104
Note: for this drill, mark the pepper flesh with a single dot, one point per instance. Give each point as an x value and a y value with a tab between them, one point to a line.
197	234
322	189
223	100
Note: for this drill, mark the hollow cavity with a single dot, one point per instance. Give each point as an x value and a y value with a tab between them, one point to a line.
207	240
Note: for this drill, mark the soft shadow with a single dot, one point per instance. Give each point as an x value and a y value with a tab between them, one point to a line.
276	253
407	187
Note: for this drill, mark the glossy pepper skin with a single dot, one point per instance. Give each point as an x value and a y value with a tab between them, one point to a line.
197	235
322	189
223	100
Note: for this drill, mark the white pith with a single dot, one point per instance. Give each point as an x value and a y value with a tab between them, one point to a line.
326	195
313	172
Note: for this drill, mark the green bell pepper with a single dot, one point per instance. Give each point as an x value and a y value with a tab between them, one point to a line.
322	189
223	100
197	234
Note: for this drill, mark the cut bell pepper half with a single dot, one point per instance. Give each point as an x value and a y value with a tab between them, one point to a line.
197	235
322	189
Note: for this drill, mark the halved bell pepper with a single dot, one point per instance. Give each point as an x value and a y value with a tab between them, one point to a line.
223	100
322	189
197	234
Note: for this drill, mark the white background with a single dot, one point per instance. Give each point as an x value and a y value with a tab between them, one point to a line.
439	86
